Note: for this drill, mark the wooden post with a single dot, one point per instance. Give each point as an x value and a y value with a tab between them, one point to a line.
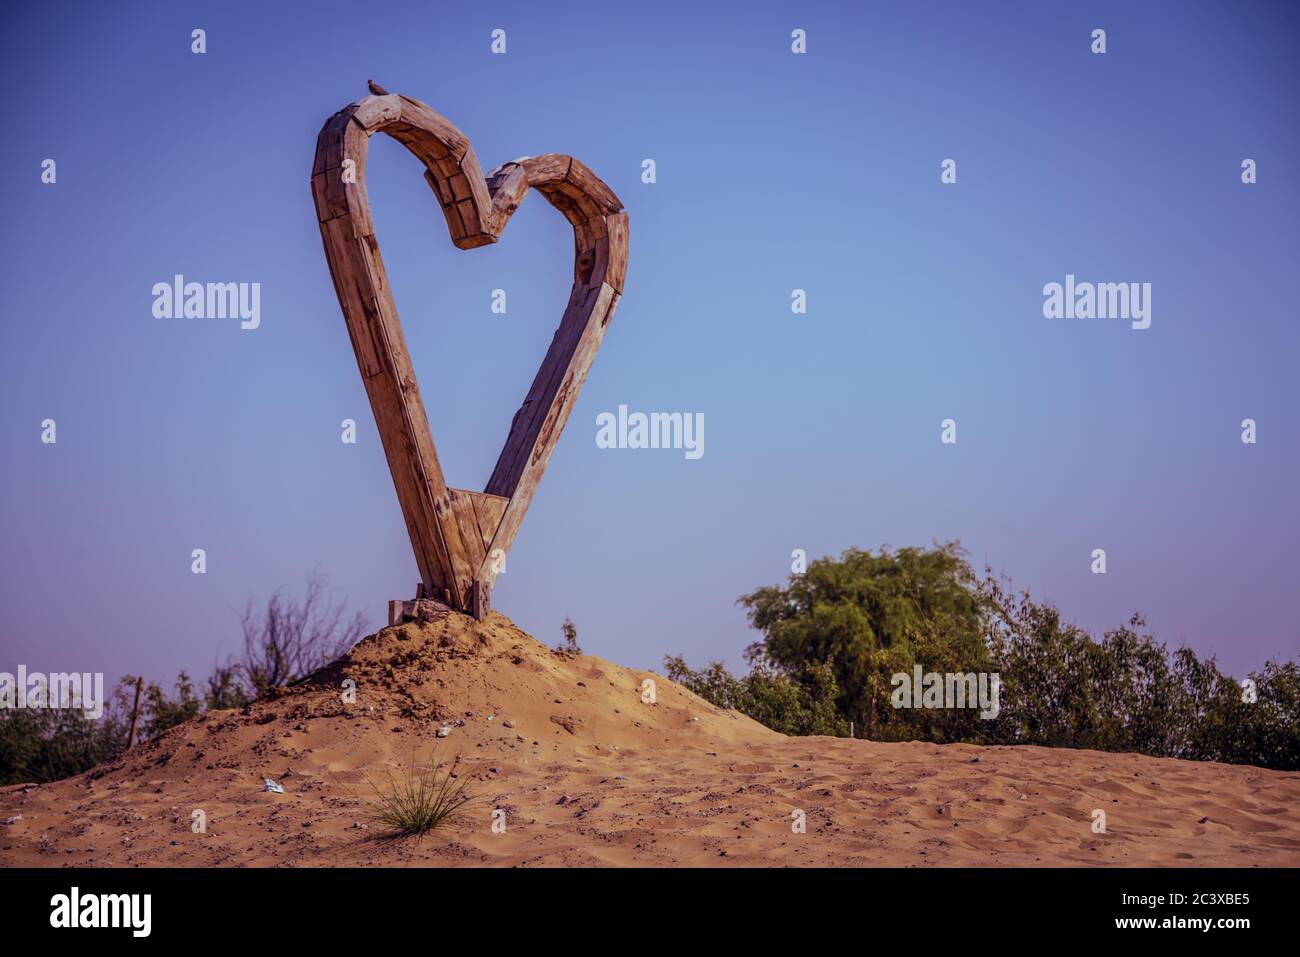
453	532
135	713
480	599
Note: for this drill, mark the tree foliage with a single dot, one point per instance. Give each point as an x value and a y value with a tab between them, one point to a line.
803	704
838	632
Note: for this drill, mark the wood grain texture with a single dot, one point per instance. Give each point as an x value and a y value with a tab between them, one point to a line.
455	533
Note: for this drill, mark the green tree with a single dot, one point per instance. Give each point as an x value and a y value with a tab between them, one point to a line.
868	616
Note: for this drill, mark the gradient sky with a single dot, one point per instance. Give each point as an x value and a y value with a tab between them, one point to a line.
775	171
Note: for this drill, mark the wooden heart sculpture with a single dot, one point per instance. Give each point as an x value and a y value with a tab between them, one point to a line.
460	537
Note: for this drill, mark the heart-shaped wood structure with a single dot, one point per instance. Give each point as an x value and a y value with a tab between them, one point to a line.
460	537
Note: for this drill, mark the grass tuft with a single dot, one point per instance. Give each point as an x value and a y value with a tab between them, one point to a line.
419	801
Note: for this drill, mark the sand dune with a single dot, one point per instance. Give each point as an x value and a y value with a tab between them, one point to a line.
590	774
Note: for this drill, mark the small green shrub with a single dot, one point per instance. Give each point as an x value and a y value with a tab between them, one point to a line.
419	801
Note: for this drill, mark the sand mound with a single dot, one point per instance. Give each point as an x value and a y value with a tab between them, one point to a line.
590	773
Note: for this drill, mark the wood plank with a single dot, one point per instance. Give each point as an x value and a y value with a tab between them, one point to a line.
592	187
617	238
530	475
475	550
546	169
489	509
376	112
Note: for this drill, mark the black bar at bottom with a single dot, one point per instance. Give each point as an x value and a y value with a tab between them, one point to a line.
274	907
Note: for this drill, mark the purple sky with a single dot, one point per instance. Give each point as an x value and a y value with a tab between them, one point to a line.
775	171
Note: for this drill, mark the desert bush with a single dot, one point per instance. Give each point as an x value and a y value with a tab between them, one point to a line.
418	801
570	647
288	639
47	744
159	711
225	689
802	705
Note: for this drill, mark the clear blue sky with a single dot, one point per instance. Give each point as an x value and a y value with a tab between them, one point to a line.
775	171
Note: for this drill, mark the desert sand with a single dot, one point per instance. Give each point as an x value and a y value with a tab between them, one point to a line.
589	774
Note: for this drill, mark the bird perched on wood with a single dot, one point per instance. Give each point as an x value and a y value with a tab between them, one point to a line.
376	89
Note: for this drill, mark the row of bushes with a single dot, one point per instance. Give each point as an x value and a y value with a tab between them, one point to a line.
837	633
283	641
